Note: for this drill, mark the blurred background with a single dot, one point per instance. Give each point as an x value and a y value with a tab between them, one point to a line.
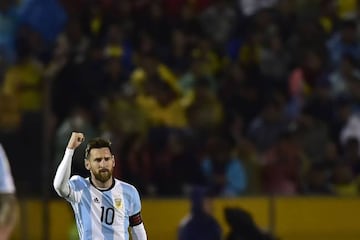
258	100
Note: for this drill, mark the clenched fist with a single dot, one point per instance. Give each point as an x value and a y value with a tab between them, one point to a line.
75	140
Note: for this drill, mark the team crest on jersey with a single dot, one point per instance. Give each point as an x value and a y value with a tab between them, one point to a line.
118	203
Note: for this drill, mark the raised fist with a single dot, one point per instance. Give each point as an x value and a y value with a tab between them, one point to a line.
75	140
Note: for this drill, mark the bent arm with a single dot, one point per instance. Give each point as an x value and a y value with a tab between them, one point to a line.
62	176
138	232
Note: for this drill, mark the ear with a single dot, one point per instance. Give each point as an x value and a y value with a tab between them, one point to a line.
113	158
87	164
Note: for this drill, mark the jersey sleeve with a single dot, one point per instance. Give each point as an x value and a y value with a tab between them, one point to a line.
136	202
135	211
76	184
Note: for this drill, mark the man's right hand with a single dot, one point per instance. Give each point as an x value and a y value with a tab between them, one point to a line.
75	140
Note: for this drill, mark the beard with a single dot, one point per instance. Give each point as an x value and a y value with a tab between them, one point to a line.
103	175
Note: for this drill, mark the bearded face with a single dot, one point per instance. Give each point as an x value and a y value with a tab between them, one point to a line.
100	164
103	175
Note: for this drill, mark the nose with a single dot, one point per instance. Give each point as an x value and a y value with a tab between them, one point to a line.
102	163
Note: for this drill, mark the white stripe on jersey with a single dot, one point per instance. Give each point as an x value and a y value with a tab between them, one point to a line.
121	209
103	215
6	180
95	212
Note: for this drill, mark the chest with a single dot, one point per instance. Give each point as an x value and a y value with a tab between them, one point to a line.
107	207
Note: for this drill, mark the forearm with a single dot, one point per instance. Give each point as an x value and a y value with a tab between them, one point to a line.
138	232
62	176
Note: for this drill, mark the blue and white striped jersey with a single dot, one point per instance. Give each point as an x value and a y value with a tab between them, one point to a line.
103	215
6	180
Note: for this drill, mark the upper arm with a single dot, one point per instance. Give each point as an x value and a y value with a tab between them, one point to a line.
136	202
61	187
135	211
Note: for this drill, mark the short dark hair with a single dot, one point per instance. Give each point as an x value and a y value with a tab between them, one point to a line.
97	143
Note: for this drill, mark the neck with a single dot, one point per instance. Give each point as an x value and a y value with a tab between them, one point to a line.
102	185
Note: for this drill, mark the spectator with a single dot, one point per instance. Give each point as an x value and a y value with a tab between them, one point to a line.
283	166
117	45
274	63
24	81
221	16
344	182
318	181
303	79
242	226
239	94
148	66
161	104
8	29
344	77
177	53
205	113
351	129
200	224
225	173
351	155
344	42
174	163
269	124
135	163
312	130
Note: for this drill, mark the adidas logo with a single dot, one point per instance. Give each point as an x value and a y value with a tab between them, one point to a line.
96	200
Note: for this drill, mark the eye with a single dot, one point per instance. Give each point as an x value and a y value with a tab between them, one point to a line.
107	158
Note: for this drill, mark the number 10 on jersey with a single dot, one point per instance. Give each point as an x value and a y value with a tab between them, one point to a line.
107	215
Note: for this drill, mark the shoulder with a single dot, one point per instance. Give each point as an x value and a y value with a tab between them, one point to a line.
77	182
126	188
75	178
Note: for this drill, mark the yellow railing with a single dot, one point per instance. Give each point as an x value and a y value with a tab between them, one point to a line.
291	218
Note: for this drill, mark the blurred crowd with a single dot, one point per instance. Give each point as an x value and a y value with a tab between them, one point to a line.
243	96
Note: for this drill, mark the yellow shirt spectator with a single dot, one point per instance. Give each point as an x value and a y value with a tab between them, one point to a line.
162	105
10	117
25	82
139	76
171	115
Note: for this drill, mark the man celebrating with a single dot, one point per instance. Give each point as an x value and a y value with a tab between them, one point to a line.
8	200
104	207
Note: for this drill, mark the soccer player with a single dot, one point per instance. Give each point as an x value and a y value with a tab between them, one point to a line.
8	200
104	206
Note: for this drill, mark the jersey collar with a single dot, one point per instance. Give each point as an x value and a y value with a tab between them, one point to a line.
103	190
